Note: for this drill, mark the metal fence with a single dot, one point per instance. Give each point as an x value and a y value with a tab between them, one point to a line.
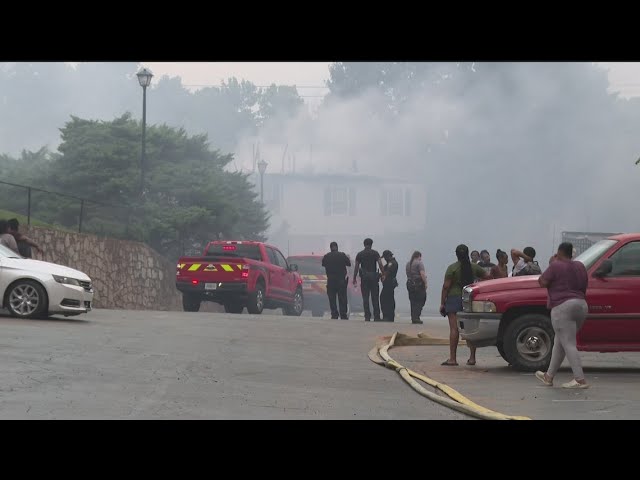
42	207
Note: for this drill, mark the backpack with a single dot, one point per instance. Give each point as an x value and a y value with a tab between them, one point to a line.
531	268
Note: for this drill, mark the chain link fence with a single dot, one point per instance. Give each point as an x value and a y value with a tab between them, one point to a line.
67	212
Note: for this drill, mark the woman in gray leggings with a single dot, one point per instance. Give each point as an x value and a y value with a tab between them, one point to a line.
566	282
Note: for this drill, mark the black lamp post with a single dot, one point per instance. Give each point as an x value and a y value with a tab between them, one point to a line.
262	167
144	77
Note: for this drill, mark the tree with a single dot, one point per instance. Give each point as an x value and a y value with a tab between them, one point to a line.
191	198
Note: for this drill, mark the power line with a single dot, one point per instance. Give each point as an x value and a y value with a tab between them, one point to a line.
257	86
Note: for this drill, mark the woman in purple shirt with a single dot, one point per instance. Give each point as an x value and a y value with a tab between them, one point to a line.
566	282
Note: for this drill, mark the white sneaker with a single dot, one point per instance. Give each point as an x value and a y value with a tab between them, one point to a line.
540	376
574	384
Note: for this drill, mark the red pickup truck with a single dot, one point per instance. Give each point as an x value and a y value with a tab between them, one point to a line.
240	274
511	313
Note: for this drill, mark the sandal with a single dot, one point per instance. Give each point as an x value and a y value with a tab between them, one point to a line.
447	364
469	362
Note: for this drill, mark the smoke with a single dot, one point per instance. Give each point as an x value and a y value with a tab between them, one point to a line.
509	157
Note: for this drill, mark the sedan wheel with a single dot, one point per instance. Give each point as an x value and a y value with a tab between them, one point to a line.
27	299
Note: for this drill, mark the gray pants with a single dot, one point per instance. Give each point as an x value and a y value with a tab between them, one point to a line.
567	320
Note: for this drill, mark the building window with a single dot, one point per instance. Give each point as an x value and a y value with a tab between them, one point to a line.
339	201
395	202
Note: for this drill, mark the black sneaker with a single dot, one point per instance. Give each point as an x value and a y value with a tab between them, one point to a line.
417	322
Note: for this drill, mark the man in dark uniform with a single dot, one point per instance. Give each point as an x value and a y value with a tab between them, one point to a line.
389	284
367	262
335	264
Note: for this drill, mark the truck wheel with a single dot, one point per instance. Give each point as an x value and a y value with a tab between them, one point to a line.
191	303
500	347
255	305
317	313
528	341
233	307
296	308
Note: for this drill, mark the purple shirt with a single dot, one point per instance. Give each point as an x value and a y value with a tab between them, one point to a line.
567	280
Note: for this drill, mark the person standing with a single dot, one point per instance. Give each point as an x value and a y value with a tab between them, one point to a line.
524	263
485	261
500	270
24	243
389	284
335	264
566	282
416	286
457	276
6	238
367	261
475	256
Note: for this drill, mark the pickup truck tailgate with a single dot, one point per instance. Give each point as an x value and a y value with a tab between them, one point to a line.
213	269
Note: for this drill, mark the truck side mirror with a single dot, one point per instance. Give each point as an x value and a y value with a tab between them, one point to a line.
604	269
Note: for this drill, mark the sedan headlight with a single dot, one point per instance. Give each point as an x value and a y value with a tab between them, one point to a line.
483	307
66	280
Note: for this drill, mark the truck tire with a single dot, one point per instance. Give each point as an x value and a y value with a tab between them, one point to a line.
500	348
255	304
233	307
528	341
296	308
191	303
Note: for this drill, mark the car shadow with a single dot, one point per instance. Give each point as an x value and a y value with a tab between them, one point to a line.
53	319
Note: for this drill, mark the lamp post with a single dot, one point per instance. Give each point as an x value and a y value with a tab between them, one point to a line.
144	78
262	167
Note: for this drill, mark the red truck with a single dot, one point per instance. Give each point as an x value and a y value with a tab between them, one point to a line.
238	274
511	313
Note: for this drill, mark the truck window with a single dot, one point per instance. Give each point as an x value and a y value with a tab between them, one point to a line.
592	254
272	256
626	261
281	260
308	265
234	250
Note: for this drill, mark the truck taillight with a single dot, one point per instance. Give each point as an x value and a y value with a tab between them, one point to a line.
245	274
194	282
245	271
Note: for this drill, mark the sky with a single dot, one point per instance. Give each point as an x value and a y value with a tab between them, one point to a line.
624	77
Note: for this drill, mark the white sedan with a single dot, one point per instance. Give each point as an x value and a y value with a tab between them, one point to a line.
35	289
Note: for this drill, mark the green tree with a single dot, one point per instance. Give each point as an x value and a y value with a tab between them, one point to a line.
190	198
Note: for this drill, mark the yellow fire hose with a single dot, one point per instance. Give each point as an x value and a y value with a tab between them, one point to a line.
379	354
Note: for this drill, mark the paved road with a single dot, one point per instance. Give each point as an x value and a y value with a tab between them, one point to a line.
173	365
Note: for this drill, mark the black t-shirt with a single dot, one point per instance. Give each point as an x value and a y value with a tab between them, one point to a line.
335	265
368	259
24	248
390	271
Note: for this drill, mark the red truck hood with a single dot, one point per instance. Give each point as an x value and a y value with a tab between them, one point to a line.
504	284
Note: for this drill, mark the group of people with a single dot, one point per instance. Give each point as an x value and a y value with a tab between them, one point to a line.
371	271
524	262
11	238
566	281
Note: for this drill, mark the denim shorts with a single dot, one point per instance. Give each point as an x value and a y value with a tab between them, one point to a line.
453	304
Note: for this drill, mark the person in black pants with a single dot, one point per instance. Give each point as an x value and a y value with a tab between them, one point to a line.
416	286
335	264
366	265
389	284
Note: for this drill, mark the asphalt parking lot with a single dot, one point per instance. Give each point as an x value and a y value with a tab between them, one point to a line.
114	364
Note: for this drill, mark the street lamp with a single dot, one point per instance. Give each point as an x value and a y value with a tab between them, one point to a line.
262	167
144	78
